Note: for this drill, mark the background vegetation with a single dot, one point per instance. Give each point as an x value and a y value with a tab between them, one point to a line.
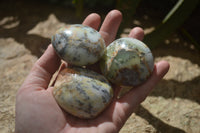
173	12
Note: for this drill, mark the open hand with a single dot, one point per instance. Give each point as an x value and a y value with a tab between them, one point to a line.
38	112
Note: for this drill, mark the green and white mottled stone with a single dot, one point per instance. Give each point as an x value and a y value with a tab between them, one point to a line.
82	93
78	45
127	62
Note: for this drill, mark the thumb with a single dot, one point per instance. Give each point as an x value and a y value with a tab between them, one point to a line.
42	71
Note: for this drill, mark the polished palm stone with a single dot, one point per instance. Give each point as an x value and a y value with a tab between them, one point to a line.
127	62
81	92
78	44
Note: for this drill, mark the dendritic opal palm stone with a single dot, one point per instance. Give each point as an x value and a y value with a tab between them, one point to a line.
127	62
78	45
81	92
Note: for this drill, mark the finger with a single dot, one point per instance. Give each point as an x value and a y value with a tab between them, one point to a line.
110	26
132	99
43	70
93	20
137	33
49	61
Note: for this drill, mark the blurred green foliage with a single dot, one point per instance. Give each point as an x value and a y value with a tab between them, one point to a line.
103	3
175	12
173	20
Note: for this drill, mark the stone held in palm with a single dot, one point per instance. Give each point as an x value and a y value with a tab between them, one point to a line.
78	45
82	92
127	62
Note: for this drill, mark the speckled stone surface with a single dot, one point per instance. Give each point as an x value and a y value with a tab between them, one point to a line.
81	92
127	62
78	45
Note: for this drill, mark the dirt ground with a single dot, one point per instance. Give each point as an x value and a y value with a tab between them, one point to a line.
25	31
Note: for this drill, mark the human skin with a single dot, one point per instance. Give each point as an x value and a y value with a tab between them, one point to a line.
38	112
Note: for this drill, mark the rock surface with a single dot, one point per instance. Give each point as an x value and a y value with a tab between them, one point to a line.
16	62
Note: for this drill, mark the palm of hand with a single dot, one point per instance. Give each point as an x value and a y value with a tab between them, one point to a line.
37	110
44	115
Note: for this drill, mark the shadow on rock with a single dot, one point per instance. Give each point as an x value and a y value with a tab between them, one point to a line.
159	125
19	17
172	89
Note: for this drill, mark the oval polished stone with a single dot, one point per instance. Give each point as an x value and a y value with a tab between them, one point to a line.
78	44
81	92
127	62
